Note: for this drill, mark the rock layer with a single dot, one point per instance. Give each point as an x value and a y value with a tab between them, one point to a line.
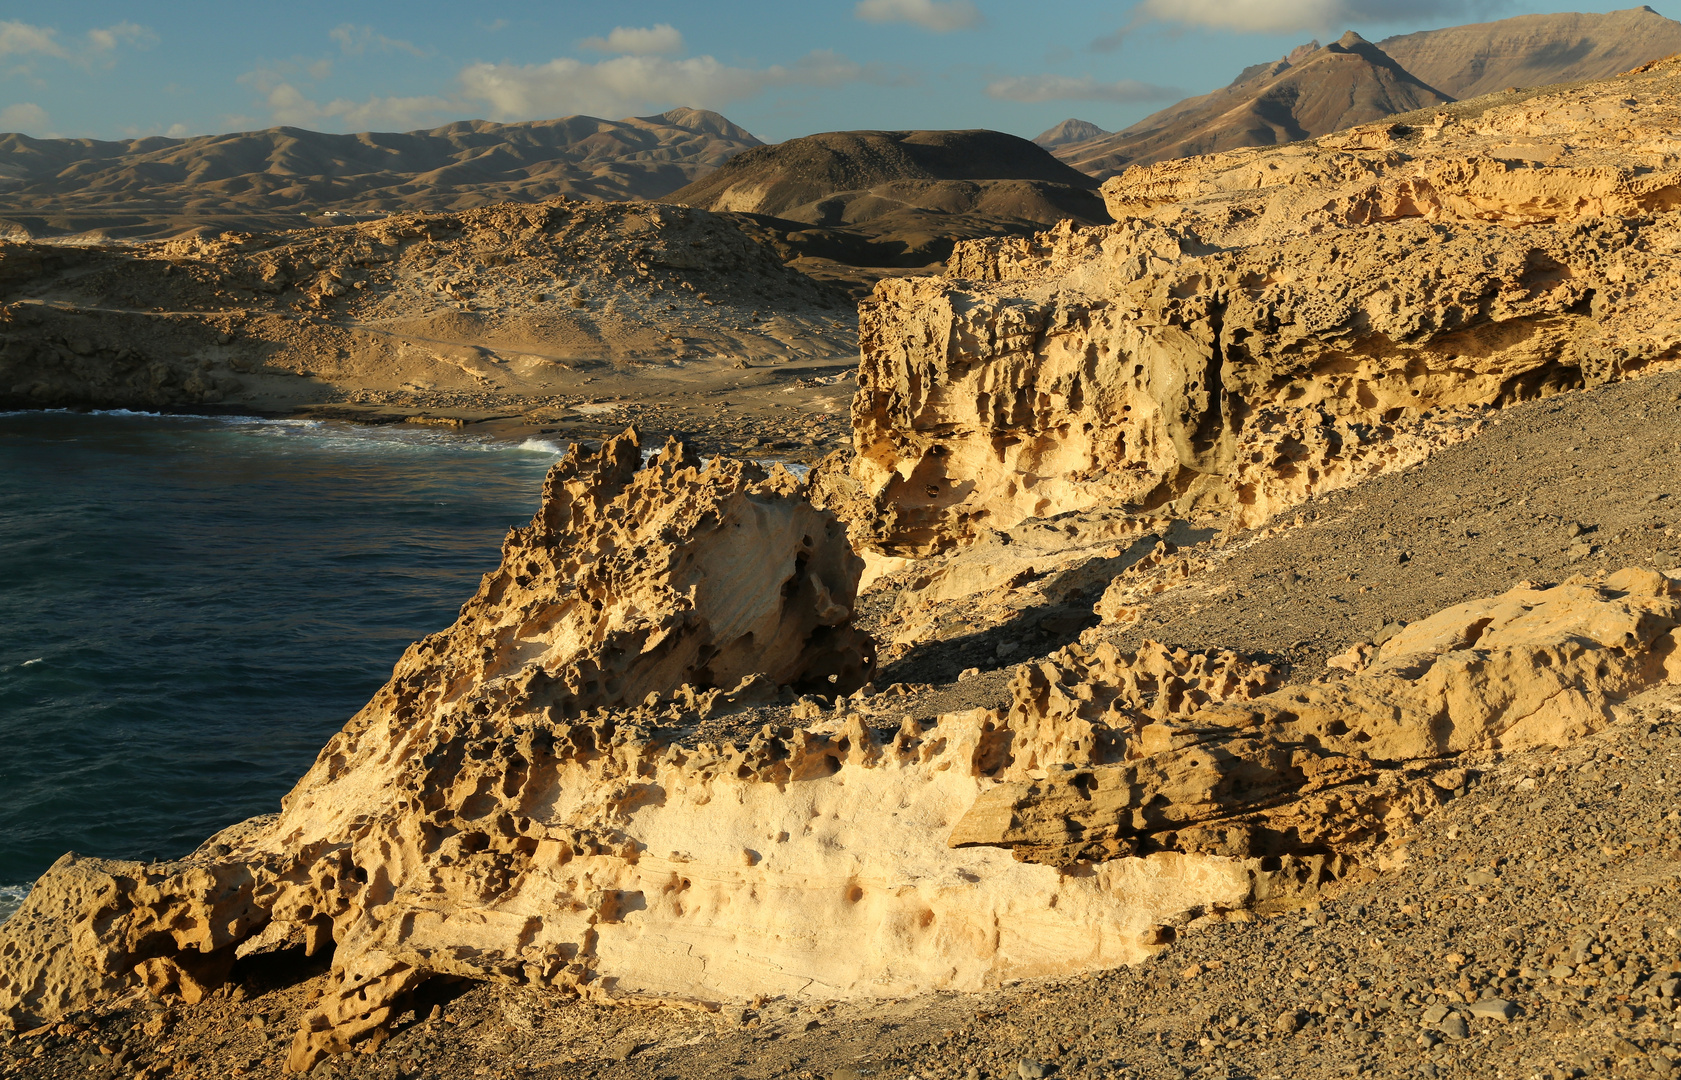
1265	325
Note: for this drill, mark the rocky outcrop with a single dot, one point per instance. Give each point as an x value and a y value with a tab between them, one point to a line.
473	820
1170	751
410	840
1266	325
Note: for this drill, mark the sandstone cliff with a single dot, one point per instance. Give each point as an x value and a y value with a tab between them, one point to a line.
1268	324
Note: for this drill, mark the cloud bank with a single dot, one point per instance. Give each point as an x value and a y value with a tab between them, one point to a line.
626	85
939	16
657	40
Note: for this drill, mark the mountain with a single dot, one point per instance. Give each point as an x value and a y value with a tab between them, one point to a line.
1312	91
156	187
910	194
1535	50
1070	131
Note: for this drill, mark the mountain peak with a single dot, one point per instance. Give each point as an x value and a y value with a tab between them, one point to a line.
1068	132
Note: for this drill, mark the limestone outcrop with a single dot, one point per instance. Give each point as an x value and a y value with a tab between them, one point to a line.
1265	325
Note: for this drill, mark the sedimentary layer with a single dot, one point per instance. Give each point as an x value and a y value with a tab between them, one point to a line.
1264	325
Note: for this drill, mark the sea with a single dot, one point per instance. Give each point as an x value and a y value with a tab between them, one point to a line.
191	605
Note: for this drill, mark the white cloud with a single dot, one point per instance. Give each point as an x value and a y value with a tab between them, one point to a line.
1037	88
108	39
21	39
292	107
355	40
1282	16
661	38
940	16
26	116
625	85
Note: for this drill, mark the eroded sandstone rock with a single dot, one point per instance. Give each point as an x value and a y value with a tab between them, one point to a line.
1164	757
1266	325
460	826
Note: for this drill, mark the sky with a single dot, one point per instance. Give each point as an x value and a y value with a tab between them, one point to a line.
116	69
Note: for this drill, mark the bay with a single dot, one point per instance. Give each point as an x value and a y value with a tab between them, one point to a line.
191	606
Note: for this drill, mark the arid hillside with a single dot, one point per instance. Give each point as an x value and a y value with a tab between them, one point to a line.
1535	50
567	313
156	188
910	194
1309	93
1313	91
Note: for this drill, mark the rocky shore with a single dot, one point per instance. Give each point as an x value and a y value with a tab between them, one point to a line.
1239	641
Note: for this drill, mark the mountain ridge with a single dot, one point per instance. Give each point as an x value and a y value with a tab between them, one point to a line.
156	187
1349	82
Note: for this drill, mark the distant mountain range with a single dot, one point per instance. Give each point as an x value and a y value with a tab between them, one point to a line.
1316	90
148	188
867	198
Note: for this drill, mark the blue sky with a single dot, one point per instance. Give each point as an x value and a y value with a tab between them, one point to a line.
108	69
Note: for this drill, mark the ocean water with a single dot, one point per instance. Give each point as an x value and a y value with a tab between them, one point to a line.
190	606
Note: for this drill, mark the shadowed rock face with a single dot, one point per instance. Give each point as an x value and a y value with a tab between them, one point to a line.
1348	82
1268	324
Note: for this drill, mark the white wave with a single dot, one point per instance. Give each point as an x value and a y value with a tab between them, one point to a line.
542	446
11	896
31	663
800	471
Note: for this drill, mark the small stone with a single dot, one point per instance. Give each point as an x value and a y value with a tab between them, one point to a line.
1455	1027
968	673
1494	1009
1435	1014
1032	1070
1561	971
1290	1021
1625	1049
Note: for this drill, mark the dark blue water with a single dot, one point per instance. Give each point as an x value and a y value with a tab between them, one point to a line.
190	606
